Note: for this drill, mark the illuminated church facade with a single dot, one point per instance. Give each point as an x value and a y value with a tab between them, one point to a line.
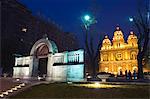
118	56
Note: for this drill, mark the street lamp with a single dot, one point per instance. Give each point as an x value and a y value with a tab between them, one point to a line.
87	17
88	20
130	19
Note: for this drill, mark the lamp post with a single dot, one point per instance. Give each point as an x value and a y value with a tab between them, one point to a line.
88	20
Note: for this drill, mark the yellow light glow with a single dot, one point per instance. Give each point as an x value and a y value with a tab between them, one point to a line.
96	85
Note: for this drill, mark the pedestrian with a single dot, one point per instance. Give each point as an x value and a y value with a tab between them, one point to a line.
129	73
126	74
134	74
120	72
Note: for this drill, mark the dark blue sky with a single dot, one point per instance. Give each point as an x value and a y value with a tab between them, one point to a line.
67	13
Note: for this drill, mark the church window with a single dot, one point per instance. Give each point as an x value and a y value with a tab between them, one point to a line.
133	55
105	58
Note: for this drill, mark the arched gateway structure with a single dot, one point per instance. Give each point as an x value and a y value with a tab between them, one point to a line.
45	60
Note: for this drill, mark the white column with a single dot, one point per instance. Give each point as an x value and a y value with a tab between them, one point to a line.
31	65
50	67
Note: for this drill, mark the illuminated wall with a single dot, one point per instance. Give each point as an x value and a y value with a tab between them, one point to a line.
21	68
65	66
21	72
59	73
75	72
69	66
119	55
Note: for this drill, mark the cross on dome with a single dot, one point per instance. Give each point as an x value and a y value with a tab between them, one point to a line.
118	28
106	36
131	32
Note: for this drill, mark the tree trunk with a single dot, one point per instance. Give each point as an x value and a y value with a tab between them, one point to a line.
140	66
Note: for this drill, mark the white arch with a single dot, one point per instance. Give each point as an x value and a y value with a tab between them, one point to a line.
52	48
39	43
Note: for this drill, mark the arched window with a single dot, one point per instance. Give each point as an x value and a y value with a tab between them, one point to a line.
133	55
105	57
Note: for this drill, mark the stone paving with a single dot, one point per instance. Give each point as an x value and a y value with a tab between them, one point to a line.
6	83
11	86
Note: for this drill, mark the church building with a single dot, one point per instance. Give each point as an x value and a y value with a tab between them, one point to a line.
117	56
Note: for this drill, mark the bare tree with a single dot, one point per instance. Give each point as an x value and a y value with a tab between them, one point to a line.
92	41
141	22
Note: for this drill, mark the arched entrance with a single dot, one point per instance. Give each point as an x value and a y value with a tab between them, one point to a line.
41	52
42	56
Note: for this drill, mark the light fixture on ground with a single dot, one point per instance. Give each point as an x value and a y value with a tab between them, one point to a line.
1	95
10	90
96	84
17	79
14	88
23	84
5	93
18	86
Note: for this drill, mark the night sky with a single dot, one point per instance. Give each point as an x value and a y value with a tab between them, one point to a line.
67	13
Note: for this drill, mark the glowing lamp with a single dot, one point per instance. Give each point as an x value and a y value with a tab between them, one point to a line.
1	95
130	19
69	82
10	90
23	84
18	86
5	93
18	79
14	88
39	78
87	17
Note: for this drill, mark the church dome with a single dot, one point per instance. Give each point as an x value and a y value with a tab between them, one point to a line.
132	36
106	40
118	35
132	39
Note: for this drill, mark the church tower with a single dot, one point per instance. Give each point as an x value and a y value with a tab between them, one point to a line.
132	40
118	38
106	44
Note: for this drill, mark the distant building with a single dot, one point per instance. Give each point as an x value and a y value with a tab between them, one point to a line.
118	56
